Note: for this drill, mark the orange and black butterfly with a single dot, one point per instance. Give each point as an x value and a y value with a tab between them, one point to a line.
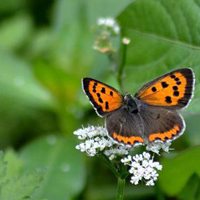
151	114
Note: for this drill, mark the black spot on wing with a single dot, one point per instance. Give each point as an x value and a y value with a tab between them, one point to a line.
168	99
106	105
177	79
178	82
103	90
164	84
153	89
94	87
100	100
176	93
173	76
175	88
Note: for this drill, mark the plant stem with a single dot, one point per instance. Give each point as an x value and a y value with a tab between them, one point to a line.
120	188
121	65
110	165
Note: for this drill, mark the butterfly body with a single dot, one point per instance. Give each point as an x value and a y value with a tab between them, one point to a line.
131	104
151	114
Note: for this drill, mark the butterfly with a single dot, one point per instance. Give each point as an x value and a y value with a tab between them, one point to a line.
151	114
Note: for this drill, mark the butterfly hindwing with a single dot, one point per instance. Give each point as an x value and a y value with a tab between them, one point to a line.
104	98
172	90
161	124
124	127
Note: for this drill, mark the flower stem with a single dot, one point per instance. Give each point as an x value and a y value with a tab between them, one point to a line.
121	66
110	165
120	188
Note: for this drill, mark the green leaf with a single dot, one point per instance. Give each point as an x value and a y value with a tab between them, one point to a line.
191	189
63	87
61	84
16	75
23	100
164	35
21	26
64	167
16	183
192	128
14	166
177	170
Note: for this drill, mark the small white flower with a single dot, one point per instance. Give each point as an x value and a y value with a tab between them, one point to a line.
126	160
89	132
138	158
158	145
106	31
134	165
106	21
116	150
96	140
146	155
145	163
134	180
142	167
126	41
150	183
101	21
110	23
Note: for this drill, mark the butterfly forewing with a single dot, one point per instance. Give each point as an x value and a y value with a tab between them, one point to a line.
172	90
104	98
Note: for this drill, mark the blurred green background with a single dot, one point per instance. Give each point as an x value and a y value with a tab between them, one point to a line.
45	50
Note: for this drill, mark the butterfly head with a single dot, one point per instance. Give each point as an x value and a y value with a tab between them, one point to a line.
130	103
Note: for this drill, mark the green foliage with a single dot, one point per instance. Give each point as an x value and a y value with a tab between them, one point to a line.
16	182
191	189
177	170
62	164
164	35
21	26
23	100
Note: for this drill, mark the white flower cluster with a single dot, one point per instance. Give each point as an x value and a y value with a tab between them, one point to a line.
106	31
96	140
156	146
109	23
142	167
116	150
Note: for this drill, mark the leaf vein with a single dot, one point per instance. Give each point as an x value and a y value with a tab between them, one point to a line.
169	40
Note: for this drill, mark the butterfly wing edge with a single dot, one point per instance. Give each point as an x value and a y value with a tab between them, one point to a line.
85	83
